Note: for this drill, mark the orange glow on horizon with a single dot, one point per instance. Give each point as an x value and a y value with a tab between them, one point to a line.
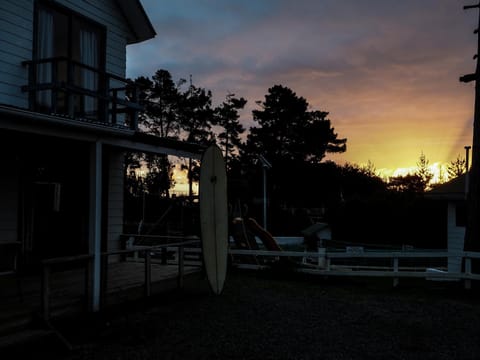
439	171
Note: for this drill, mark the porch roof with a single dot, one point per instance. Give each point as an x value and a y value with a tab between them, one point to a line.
26	121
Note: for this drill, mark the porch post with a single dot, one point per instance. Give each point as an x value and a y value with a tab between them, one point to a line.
95	224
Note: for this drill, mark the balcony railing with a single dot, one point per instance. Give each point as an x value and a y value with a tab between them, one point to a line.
62	86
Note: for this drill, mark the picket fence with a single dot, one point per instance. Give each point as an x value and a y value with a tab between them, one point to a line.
431	265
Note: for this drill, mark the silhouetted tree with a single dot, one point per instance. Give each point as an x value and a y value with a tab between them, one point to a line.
456	167
423	172
369	169
196	118
161	98
294	140
172	113
227	118
159	178
288	131
410	183
416	183
360	181
134	184
196	115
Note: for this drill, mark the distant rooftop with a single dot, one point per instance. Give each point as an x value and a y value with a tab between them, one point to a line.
451	190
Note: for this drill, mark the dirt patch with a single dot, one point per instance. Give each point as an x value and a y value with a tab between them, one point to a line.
265	315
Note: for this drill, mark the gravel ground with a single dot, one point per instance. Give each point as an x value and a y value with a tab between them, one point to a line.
267	315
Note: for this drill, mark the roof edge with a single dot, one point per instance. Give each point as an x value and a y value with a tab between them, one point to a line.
138	20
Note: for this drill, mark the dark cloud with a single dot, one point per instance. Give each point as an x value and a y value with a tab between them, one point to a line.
381	67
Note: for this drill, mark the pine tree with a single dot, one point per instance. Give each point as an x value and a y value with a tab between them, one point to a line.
423	172
456	167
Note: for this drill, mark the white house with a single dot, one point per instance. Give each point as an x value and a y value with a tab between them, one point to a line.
67	115
453	195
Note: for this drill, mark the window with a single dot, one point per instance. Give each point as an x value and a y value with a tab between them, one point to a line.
72	48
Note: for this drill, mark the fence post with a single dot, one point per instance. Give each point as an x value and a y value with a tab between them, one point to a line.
87	283
321	257
468	272
395	270
148	272
46	292
180	266
104	279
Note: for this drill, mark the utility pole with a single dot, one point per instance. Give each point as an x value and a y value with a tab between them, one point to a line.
467	168
266	166
472	233
190	165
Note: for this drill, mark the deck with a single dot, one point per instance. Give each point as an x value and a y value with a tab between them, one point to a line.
22	298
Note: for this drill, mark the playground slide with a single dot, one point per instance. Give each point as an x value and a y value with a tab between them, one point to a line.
267	239
243	239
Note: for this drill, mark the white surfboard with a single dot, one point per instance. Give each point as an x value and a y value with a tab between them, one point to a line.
214	217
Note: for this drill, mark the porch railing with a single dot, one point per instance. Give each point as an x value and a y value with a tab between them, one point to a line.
85	261
63	92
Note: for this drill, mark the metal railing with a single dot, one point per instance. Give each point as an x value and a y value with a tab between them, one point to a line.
64	92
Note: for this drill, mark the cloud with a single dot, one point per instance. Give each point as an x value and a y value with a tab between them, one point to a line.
386	70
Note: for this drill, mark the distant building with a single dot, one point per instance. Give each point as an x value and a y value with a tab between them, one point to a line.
316	236
453	194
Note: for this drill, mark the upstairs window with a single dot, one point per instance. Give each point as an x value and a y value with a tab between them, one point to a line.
71	51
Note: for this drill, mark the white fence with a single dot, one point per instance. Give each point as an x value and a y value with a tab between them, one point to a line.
430	265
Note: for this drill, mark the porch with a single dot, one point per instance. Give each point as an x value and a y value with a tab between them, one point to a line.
63	287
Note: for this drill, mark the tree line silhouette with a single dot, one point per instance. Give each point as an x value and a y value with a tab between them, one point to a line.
358	204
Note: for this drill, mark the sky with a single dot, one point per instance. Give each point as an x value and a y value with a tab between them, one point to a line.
386	70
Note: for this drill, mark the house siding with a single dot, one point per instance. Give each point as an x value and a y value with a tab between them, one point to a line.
115	180
16	41
16	35
456	236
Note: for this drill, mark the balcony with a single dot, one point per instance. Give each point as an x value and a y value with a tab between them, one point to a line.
64	87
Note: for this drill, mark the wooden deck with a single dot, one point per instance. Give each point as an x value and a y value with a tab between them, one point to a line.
21	297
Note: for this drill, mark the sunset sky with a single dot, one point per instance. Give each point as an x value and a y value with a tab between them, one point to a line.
386	70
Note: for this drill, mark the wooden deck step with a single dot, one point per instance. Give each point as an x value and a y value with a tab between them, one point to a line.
15	323
24	337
